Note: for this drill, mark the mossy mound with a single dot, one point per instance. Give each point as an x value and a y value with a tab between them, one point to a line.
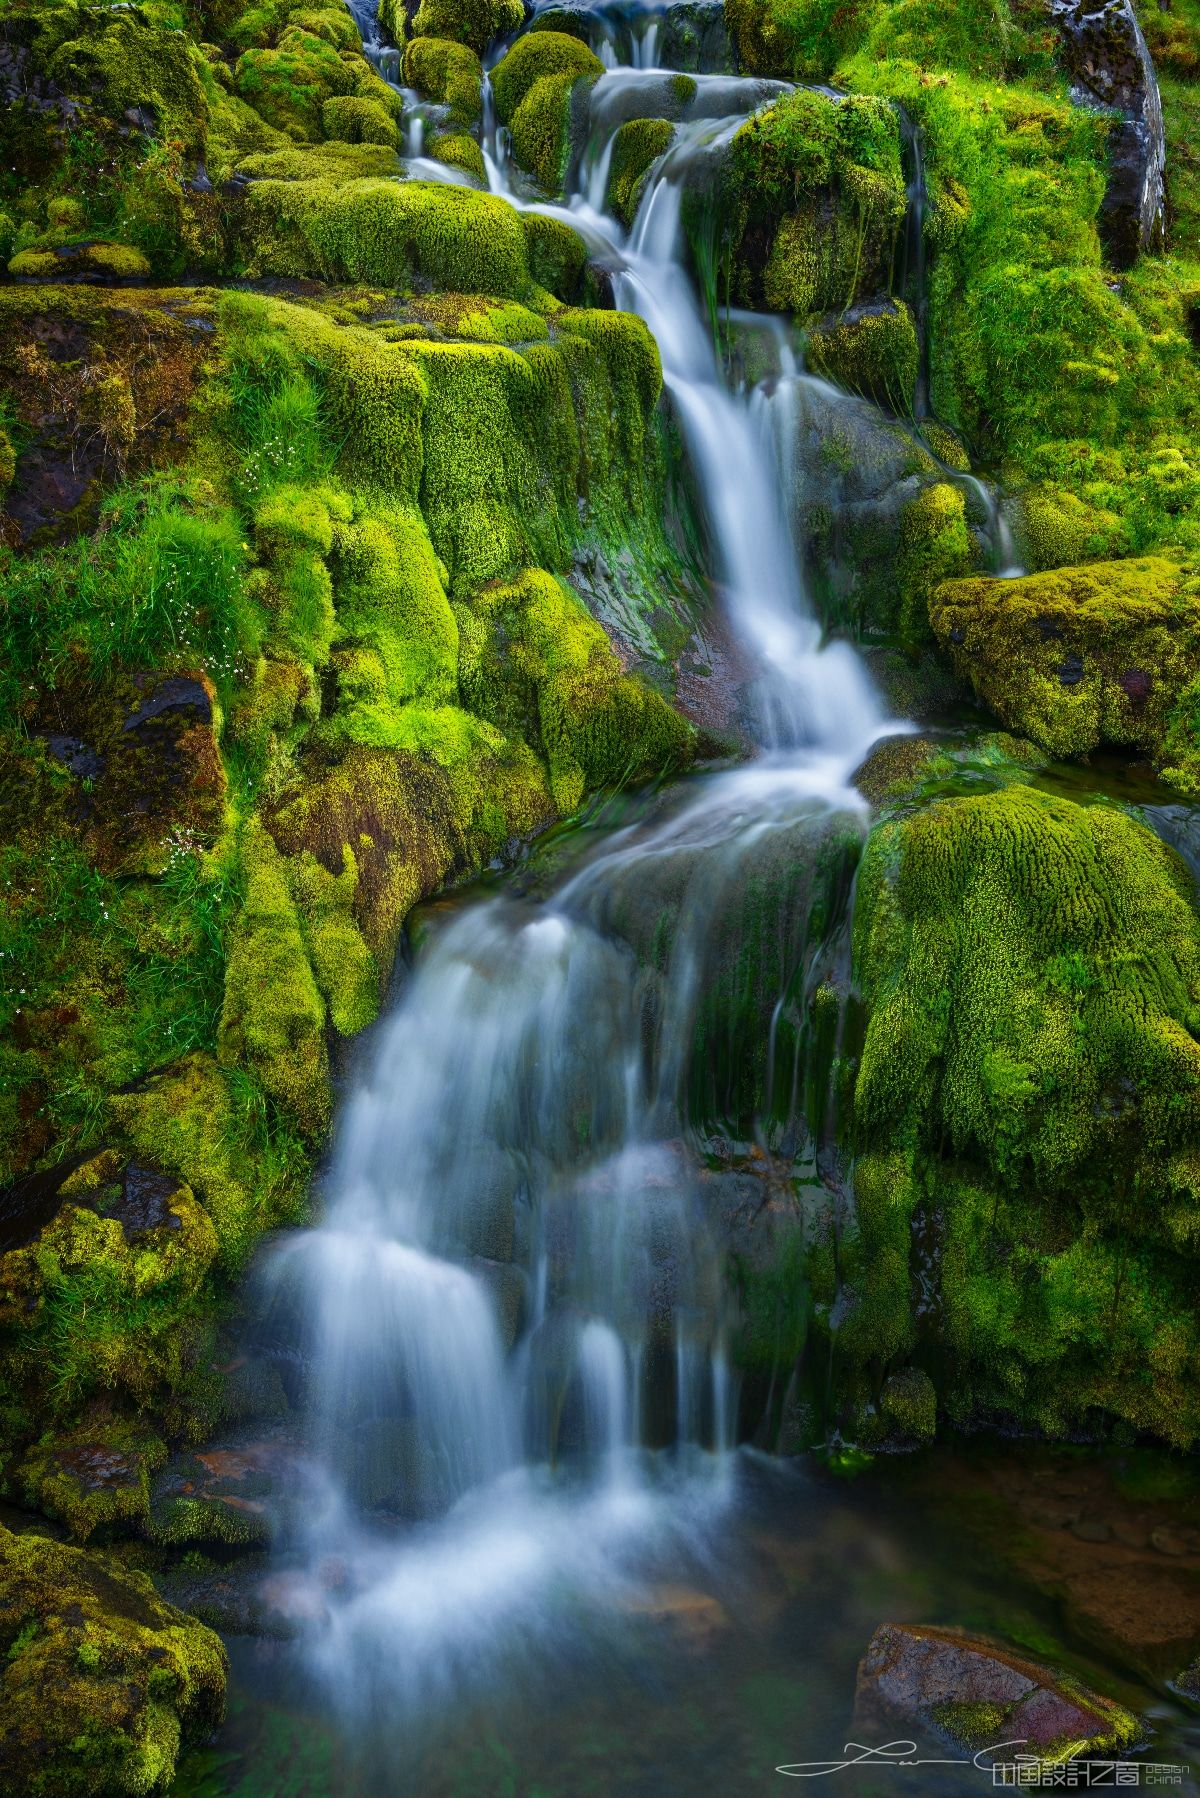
534	84
637	145
447	72
1104	654
103	1682
810	204
472	22
869	350
1028	1101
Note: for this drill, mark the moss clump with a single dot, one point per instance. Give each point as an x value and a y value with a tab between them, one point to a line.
1029	1102
472	22
537	666
871	350
354	120
557	255
391	234
289	84
533	86
273	1018
811	202
449	73
458	150
1106	653
104	1682
935	545
637	146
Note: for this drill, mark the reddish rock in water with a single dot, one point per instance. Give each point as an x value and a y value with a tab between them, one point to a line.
979	1695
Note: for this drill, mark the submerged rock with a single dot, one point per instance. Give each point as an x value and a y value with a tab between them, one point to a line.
978	1695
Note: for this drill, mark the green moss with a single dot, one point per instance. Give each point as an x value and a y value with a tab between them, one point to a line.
533	86
1030	1093
354	120
820	183
637	145
333	161
871	351
106	1681
387	233
460	151
128	62
449	73
557	255
935	545
536	665
344	968
1082	656
289	84
273	1018
473	22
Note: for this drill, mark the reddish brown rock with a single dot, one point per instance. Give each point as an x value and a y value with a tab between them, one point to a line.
978	1694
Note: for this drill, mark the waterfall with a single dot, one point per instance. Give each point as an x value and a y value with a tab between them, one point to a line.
516	1315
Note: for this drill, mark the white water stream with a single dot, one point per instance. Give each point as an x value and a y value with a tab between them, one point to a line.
516	1313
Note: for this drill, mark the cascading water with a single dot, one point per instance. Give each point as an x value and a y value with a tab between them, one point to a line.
519	1271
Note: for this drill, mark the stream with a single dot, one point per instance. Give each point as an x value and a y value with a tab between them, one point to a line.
528	1554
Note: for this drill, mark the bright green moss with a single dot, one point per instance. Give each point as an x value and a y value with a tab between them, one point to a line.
353	120
537	665
935	545
1081	656
334	161
637	146
127	62
388	233
396	636
289	85
533	86
273	1018
557	255
872	352
472	22
1031	1074
343	966
821	181
458	150
104	1681
449	73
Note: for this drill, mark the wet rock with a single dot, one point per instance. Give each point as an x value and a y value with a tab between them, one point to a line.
975	1693
103	1680
1106	57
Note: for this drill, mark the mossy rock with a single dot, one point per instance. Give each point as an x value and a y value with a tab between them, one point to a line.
870	350
1028	1100
812	198
473	22
533	86
1108	653
449	73
103	1683
637	145
354	120
459	150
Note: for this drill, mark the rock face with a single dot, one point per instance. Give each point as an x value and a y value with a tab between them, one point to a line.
979	1695
102	1680
1106	57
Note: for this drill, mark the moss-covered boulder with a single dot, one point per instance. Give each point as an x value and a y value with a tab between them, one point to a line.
533	85
103	1682
1028	1104
810	204
1108	653
447	72
637	145
870	350
472	22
